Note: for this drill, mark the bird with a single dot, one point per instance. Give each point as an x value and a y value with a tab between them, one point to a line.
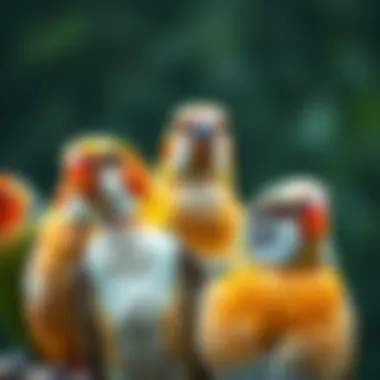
20	207
291	310
196	177
50	288
132	266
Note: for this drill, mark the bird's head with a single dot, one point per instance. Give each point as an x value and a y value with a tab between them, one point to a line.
16	201
287	215
197	142
102	169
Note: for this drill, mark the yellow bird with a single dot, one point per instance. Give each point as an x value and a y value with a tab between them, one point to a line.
294	309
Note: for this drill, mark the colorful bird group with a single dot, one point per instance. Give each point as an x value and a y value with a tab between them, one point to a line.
140	272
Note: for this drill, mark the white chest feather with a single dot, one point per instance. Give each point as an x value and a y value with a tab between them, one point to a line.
132	271
134	277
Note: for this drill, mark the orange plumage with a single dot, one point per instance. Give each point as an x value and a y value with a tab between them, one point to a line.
297	301
213	234
250	311
52	325
62	239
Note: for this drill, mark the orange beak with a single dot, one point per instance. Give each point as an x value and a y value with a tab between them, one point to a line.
315	220
136	181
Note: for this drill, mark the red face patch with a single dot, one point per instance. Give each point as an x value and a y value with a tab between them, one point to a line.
80	173
314	219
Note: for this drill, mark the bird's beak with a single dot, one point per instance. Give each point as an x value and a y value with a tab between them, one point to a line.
314	220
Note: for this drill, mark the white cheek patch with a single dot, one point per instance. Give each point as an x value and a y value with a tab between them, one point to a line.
112	188
221	155
274	241
181	153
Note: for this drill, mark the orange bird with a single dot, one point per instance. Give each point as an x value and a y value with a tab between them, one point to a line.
293	310
81	202
196	175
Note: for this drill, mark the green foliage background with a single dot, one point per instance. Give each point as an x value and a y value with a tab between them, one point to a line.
301	78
